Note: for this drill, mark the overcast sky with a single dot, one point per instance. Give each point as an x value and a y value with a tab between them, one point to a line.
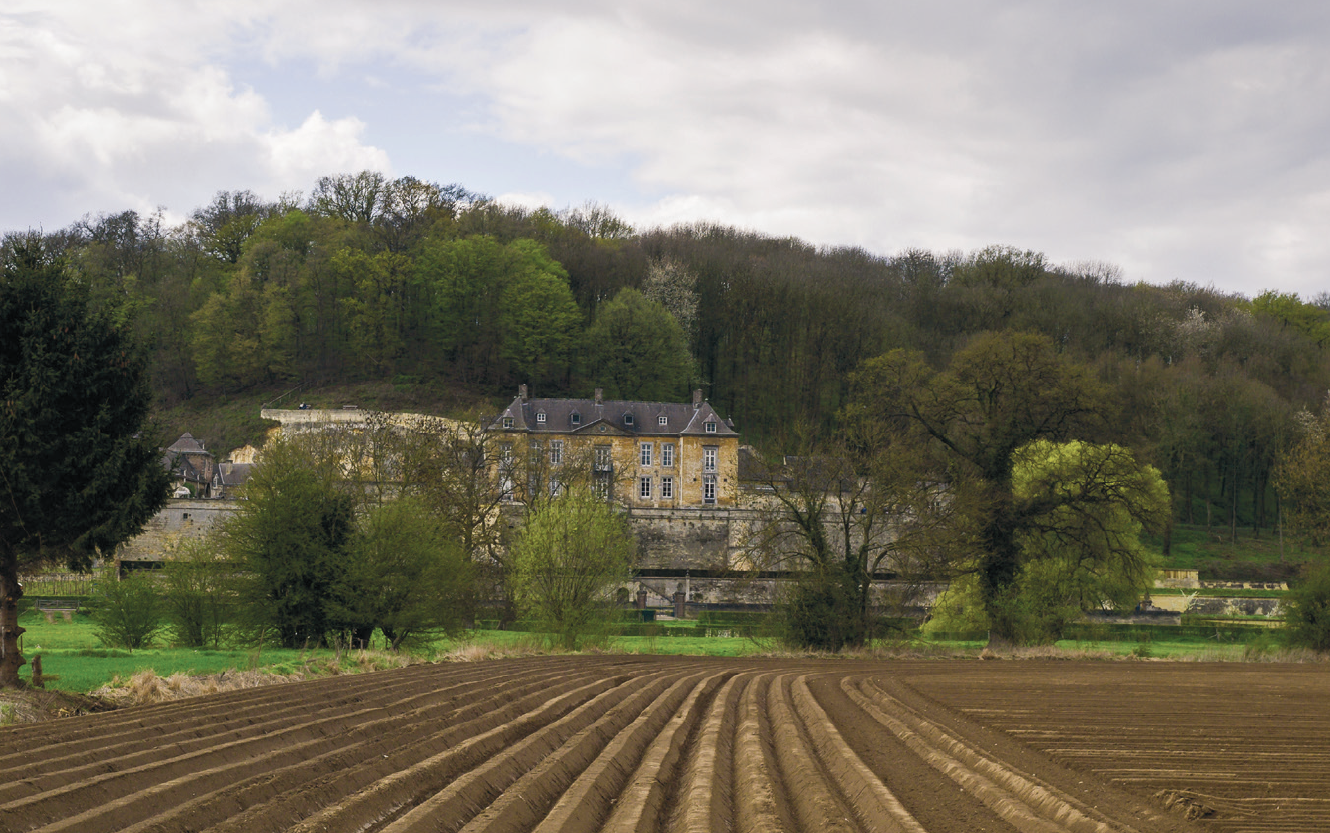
1180	141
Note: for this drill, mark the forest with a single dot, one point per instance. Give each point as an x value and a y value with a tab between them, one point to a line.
372	278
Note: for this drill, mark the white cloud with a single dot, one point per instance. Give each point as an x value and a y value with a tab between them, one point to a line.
1181	141
94	122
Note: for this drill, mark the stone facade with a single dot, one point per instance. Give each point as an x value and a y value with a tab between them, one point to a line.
178	521
657	455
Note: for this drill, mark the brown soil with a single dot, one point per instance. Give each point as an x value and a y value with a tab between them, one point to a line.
697	744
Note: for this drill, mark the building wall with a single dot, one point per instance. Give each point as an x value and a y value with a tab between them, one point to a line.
687	470
177	522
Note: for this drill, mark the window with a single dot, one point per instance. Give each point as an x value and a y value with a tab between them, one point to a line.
505	453
662	420
575	418
644	488
667	455
627	419
540	418
711	427
709	458
667	488
507	422
556	452
556	488
603	460
646	454
709	488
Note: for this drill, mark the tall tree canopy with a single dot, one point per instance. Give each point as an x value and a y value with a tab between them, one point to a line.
79	472
1000	394
637	350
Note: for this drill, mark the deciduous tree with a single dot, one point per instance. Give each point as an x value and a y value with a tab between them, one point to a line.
567	561
1001	393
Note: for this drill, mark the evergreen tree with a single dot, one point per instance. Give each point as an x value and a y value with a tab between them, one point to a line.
79	474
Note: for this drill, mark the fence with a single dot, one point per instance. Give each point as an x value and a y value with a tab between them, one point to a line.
57	584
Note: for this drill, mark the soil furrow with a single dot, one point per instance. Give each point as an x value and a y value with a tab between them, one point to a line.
755	807
472	792
816	804
402	789
587	802
641	804
876	806
527	800
148	745
276	798
698	806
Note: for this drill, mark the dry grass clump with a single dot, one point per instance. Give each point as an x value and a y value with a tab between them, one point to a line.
146	687
1254	653
482	651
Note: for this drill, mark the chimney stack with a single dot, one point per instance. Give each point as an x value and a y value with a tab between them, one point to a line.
600	395
521	392
697	399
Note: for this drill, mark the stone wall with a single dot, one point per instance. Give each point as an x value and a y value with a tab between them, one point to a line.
178	521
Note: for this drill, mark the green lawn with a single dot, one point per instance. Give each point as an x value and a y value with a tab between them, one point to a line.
71	651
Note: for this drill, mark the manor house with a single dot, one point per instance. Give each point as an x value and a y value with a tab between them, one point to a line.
660	455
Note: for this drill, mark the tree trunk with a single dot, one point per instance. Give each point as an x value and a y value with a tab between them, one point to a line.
10	592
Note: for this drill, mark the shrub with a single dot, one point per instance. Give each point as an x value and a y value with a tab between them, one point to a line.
197	596
1307	611
128	612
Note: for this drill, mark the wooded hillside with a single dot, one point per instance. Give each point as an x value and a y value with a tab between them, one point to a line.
370	278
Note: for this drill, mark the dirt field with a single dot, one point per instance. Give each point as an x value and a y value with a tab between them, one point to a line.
627	743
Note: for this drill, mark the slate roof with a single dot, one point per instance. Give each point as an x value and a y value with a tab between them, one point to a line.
623	416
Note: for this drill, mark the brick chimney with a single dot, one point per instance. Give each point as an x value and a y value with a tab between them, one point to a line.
600	396
697	399
521	392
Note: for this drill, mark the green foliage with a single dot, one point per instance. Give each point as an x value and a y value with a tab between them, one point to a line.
80	470
501	310
404	574
567	562
129	612
823	611
637	350
289	538
1302	474
199	594
1307	611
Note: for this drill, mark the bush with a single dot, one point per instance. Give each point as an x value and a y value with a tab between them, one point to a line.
1307	611
821	612
128	612
197	596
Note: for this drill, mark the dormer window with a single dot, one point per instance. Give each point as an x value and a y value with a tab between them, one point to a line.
711	427
662	420
507	422
540	418
575	418
627	419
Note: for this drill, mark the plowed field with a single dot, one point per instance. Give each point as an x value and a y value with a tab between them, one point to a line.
644	744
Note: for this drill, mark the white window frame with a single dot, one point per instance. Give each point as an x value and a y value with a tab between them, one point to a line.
711	427
710	455
645	453
644	488
709	488
556	452
507	422
667	488
540	418
662	420
667	455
